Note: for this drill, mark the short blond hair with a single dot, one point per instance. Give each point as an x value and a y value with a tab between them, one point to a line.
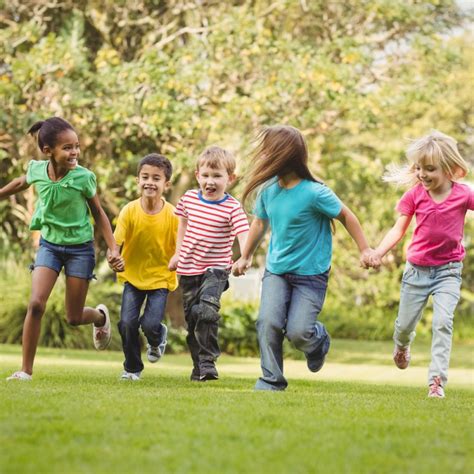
216	157
436	148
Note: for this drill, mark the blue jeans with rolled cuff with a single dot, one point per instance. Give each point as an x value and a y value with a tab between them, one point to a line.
443	283
290	306
150	322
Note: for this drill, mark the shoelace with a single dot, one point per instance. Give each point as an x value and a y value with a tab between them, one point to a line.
435	386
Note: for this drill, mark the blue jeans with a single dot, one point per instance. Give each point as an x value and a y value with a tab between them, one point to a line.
150	322
290	305
443	282
78	260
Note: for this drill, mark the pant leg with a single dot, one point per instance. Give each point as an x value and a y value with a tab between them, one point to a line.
153	316
132	301
446	294
271	322
415	290
206	313
307	299
190	287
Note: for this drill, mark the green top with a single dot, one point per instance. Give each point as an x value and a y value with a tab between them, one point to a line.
62	214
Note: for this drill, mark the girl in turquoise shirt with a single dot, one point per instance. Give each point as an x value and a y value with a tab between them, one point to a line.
66	193
299	210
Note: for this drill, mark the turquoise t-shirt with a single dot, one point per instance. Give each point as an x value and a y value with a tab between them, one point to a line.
301	240
62	214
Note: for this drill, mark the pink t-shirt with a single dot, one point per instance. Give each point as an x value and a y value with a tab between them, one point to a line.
437	238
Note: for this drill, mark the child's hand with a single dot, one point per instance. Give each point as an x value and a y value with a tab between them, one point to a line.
241	266
369	258
115	260
173	263
375	259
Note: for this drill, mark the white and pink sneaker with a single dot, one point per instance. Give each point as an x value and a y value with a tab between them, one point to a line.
436	389
101	335
20	375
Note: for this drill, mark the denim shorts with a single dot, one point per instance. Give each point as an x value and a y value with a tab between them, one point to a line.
78	260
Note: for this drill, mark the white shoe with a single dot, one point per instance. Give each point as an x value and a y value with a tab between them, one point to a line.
154	354
101	335
130	376
20	375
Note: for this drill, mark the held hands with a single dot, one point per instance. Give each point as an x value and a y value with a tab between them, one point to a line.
241	266
173	263
115	260
370	258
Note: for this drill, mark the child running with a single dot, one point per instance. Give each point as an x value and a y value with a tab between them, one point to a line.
146	230
209	221
298	209
66	193
434	257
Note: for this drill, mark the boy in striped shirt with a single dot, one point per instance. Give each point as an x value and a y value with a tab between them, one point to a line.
209	221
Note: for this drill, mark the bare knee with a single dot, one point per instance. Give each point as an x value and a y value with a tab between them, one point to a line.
36	308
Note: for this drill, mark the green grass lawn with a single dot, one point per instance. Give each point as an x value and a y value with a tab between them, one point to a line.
77	417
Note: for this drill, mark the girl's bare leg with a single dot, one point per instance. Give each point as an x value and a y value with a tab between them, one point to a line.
77	314
43	281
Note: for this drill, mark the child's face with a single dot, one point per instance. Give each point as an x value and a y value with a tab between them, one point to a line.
66	151
432	177
213	182
152	182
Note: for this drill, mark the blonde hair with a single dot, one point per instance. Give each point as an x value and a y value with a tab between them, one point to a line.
215	157
437	149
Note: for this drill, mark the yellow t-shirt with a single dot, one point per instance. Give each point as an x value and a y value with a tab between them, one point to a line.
149	242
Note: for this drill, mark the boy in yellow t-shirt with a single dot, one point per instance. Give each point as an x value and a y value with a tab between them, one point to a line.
146	230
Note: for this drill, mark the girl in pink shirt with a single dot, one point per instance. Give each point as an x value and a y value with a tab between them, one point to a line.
435	254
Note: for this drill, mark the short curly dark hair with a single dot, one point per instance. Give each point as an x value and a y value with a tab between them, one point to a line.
160	161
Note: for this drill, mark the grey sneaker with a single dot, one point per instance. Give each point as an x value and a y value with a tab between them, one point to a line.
208	372
195	375
154	354
130	376
401	356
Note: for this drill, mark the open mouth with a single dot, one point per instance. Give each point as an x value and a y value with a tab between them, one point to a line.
72	161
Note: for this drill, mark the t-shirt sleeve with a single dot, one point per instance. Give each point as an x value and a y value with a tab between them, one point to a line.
31	171
470	199
239	221
181	208
406	205
90	185
120	232
259	207
327	202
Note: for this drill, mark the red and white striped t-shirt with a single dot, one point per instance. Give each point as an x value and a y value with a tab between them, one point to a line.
210	233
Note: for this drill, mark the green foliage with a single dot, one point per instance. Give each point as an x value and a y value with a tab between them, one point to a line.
358	78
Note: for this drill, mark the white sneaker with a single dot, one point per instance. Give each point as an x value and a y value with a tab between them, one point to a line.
20	375
154	354
130	376
101	335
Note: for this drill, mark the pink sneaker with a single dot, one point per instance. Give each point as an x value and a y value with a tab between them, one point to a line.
101	335
436	389
20	375
401	356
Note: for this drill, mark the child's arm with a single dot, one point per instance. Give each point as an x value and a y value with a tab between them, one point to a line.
102	222
13	187
252	240
393	236
182	226
349	220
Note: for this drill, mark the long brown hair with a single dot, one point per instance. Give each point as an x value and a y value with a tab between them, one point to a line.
281	149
